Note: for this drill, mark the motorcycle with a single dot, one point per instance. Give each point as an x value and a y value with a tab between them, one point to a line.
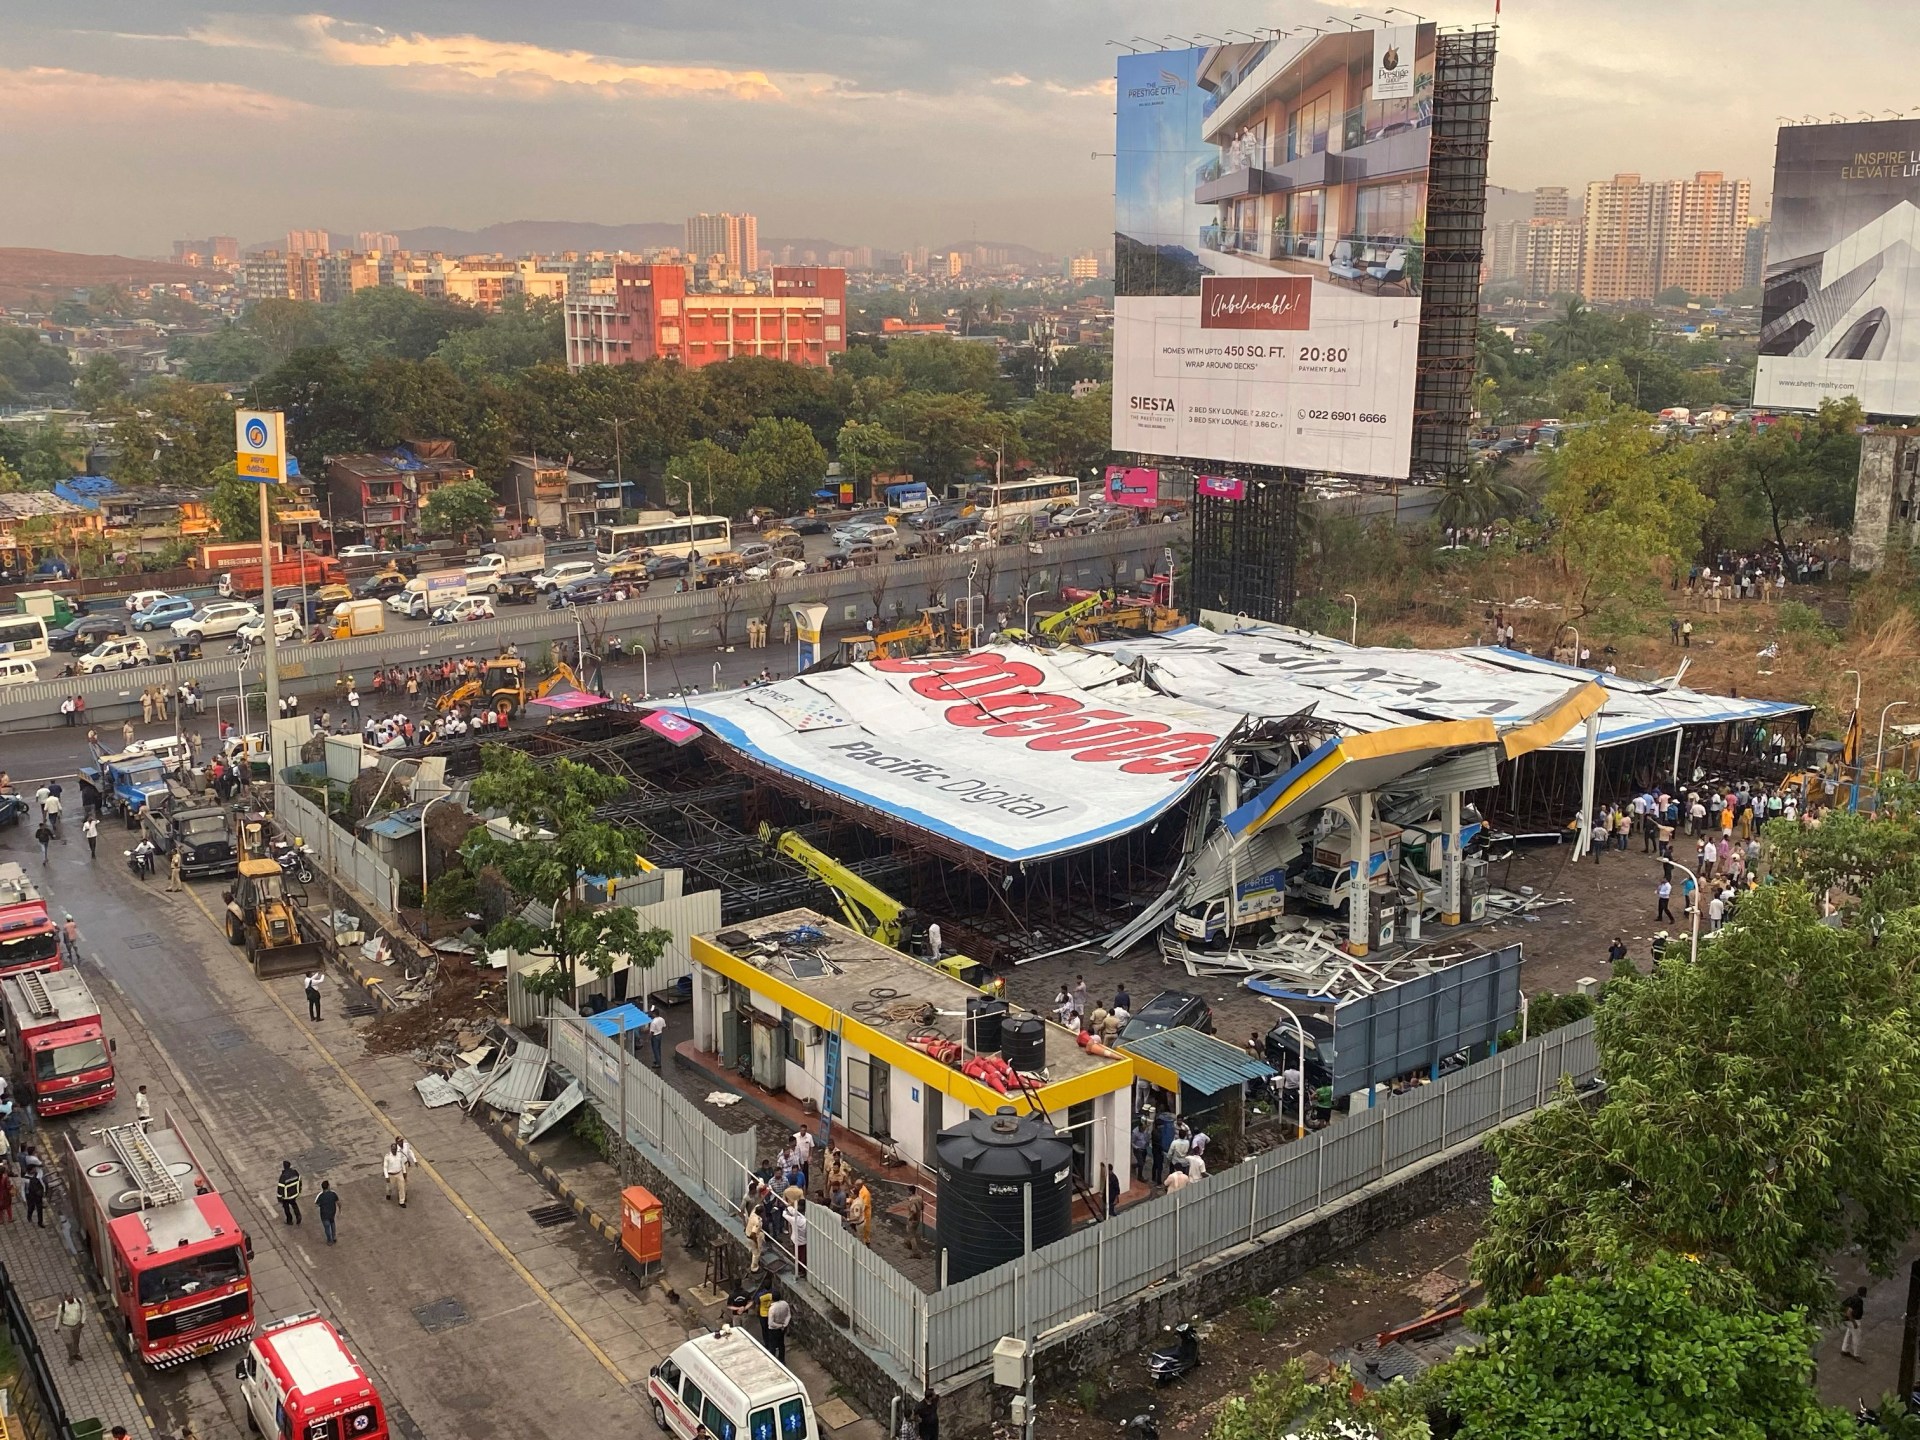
294	857
140	860
1175	1356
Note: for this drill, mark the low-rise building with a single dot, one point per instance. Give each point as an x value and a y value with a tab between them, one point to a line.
149	518
652	315
376	498
33	520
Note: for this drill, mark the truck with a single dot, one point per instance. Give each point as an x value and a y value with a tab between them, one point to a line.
358	617
49	605
485	574
127	782
172	1259
224	554
1257	899
59	1053
198	825
242	581
29	939
299	1378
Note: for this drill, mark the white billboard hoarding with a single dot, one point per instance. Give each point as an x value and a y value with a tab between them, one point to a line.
1010	752
1842	311
1269	233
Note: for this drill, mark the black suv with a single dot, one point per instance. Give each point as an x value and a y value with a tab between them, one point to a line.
1169	1010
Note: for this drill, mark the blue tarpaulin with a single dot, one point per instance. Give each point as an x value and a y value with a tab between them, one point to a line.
629	1016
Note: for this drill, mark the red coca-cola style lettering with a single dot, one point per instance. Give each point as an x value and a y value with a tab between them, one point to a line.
997	697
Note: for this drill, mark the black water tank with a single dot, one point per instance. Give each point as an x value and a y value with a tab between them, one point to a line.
983	1025
986	1166
1023	1042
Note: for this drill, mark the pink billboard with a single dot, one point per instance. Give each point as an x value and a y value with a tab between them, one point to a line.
1220	487
1133	485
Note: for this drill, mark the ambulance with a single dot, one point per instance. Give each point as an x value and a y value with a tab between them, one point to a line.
300	1382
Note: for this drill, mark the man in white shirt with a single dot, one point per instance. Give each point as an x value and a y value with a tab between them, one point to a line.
656	1028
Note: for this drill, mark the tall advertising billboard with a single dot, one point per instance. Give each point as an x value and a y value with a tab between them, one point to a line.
1842	313
1270	217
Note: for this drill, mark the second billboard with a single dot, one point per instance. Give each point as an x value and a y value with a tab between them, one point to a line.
1270	216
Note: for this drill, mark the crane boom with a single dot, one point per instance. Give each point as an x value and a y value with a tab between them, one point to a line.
864	905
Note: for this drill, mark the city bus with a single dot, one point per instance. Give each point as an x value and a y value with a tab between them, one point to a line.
23	637
669	535
1008	502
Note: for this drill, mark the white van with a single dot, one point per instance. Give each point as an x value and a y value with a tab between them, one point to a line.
14	671
727	1382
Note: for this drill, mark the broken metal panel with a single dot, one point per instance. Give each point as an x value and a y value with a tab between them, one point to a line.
563	1105
434	1091
516	1083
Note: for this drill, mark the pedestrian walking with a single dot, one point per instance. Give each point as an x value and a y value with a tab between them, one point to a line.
797	1232
72	1320
66	711
90	829
779	1317
6	1196
173	869
394	1167
656	1028
756	1238
36	1195
70	940
142	1108
126	733
327	1202
146	706
865	1197
1853	1310
287	1191
916	1217
45	837
1113	1192
311	988
1664	893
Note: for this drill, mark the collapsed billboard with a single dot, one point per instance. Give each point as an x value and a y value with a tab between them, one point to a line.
1842	312
1012	753
1270	218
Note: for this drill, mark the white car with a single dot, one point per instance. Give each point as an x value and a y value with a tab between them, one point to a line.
357	552
123	652
220	617
554	576
979	540
778	568
286	626
881	537
467	607
173	749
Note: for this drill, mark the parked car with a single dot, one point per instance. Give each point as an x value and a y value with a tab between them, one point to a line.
162	613
934	516
1282	1046
121	653
951	530
517	590
554	576
141	599
977	540
86	632
286	626
379	587
809	524
668	567
1073	516
750	555
781	567
220	617
587	590
1169	1010
465	608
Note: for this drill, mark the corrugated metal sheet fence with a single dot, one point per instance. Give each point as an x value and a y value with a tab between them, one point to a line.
1158	1238
633	1101
882	1308
338	850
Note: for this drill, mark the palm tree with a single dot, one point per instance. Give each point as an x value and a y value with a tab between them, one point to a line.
1568	336
1470	502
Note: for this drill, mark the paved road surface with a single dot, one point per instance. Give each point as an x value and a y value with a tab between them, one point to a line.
551	1342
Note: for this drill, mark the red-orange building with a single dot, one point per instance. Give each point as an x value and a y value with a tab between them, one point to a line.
650	315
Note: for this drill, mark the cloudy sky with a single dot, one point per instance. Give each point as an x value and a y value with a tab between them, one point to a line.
127	123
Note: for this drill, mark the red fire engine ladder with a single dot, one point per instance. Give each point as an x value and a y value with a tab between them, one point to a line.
35	988
149	1173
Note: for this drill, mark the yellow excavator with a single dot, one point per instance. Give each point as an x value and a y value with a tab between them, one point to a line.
503	685
1101	614
863	905
927	633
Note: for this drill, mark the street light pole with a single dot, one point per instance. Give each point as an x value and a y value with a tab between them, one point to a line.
1026	608
1299	1031
1693	950
646	688
1353	631
424	811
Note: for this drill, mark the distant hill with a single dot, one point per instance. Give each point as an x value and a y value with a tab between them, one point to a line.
25	273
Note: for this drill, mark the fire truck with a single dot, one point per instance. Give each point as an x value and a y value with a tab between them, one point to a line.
59	1052
171	1255
299	1379
29	939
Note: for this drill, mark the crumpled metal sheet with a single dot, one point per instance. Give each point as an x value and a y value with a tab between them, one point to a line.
435	1091
513	1084
550	1115
467	1080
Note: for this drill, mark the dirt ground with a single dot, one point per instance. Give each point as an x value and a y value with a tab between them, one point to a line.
1391	1279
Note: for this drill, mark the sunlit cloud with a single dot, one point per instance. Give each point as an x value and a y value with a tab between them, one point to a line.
77	97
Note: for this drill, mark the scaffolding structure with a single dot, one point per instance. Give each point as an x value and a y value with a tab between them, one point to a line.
1450	264
1245	552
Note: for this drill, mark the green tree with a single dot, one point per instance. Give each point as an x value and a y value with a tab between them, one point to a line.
29	366
386	321
1757	1115
1572	334
521	334
1801	468
10	482
1285	1405
943	431
1637	1353
235	505
749	388
719	485
552	807
462	509
51	453
867	449
1874	855
1067	434
782	464
1468	502
102	381
231	355
284	327
1621	501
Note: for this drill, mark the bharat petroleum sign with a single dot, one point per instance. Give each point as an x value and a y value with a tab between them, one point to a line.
1267	302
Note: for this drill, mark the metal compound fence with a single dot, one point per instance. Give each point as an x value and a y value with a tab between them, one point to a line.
340	852
1158	1239
33	1407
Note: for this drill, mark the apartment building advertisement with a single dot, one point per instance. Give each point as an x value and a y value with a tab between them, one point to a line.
1842	310
1270	216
